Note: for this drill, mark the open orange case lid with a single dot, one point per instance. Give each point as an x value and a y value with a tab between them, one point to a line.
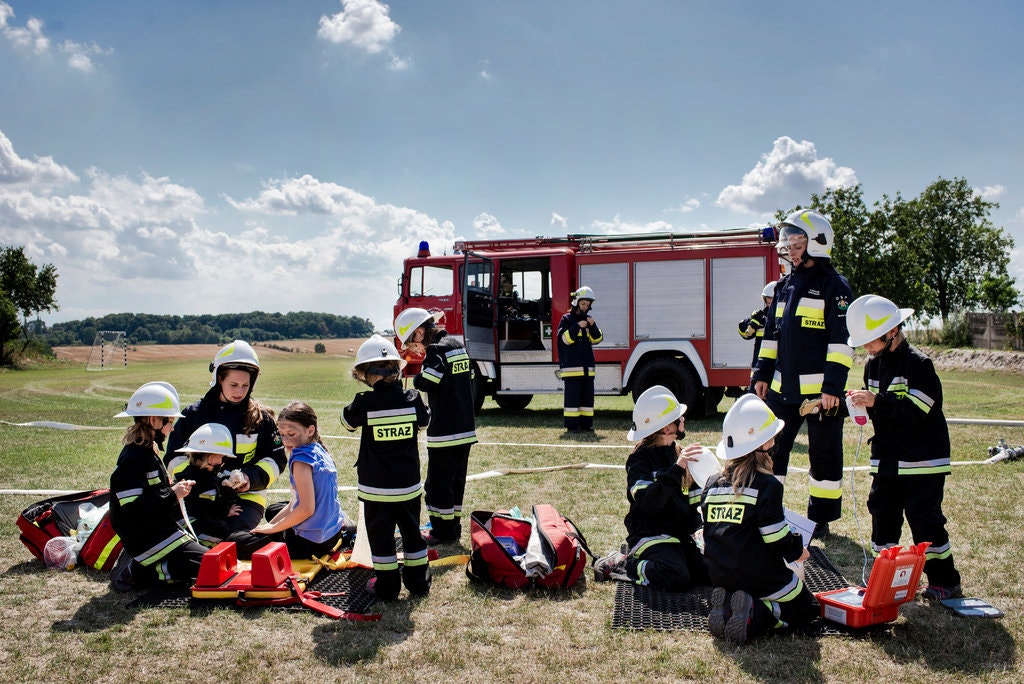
893	582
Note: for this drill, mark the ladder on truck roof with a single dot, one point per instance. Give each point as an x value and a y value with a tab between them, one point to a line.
588	242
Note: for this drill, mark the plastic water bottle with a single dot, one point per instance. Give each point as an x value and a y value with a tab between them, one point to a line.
858	413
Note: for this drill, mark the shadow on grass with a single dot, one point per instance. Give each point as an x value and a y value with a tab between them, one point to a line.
101	612
789	657
340	643
943	641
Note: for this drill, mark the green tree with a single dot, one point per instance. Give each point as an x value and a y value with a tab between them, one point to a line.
997	293
868	249
957	247
9	328
26	287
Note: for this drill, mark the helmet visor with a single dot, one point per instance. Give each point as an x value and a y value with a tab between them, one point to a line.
790	236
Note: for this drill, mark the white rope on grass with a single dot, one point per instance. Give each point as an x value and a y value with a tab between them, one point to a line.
58	426
479	476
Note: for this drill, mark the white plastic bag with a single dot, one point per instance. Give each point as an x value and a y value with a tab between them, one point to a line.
61	553
89	517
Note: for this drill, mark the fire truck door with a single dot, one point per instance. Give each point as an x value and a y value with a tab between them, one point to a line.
479	310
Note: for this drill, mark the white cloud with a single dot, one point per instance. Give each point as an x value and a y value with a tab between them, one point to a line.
30	37
396	63
80	55
990	193
689	205
785	176
364	24
15	170
486	225
149	244
617	225
558	221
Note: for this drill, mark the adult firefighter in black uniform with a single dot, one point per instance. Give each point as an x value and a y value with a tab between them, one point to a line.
577	334
805	359
910	449
447	379
259	454
388	468
747	541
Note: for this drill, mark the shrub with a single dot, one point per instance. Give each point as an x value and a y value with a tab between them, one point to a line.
956	331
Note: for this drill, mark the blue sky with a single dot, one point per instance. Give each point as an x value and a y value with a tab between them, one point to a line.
210	157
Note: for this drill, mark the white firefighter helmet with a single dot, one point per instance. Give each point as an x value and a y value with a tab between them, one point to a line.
871	316
211	438
584	292
654	409
769	290
747	425
811	224
153	399
410	319
237	355
377	348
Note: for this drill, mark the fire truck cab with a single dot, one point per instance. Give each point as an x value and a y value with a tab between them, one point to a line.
667	304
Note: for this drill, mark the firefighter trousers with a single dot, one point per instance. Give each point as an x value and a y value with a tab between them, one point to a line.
180	565
673	566
578	401
919	498
798	611
444	489
381	519
825	453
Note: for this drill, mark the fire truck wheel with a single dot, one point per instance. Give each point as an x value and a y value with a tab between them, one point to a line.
513	402
675	375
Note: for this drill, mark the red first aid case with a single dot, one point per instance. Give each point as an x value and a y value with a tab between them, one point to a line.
893	582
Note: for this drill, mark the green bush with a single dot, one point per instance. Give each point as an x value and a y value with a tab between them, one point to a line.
956	331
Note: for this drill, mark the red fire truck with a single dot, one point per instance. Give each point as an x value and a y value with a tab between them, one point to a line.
667	303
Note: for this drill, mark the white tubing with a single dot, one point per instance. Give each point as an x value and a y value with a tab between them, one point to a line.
985	421
479	476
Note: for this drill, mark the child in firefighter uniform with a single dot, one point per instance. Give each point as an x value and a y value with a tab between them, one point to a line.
388	468
259	454
144	504
663	501
577	334
752	327
210	503
910	451
447	379
747	541
805	359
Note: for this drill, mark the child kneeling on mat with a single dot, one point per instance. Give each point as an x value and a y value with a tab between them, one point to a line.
388	468
663	501
747	541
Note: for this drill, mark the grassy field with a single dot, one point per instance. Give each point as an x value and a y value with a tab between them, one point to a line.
68	625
